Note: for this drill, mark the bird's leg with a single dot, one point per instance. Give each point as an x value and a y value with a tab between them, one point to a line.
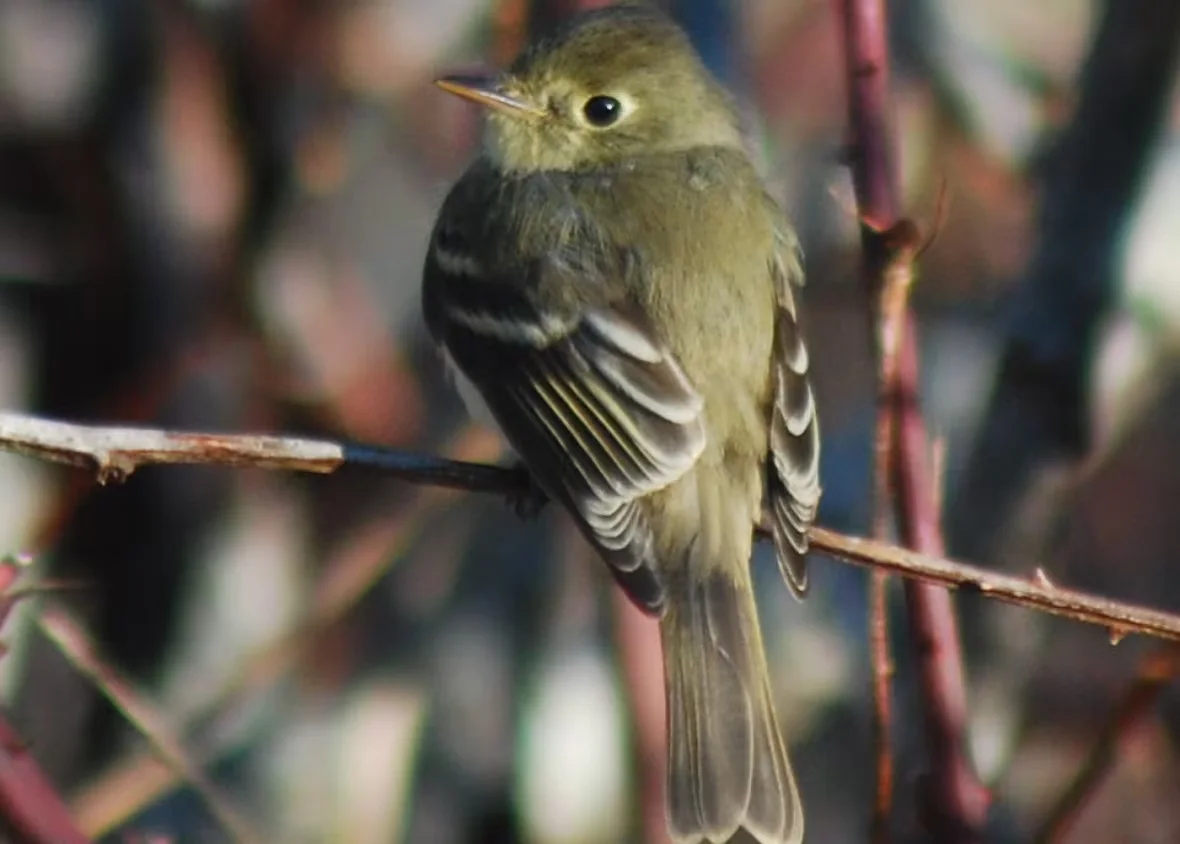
528	500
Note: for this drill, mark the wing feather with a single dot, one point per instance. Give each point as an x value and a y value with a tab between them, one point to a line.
593	402
794	431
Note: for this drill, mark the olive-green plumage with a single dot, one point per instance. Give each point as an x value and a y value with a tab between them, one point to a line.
613	281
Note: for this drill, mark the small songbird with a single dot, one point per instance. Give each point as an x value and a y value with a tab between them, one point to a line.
613	285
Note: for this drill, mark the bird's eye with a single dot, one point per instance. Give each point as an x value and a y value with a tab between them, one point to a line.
602	111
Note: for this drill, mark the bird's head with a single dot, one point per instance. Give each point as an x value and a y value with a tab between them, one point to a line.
613	84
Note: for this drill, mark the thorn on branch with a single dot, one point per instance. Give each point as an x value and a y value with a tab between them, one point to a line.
866	69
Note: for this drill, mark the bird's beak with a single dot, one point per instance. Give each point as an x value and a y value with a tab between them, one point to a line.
485	90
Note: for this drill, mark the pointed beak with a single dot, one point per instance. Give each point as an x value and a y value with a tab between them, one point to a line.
485	90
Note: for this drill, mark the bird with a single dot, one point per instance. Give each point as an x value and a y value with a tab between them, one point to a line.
614	290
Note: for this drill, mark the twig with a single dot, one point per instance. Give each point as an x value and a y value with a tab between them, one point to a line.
882	663
903	245
29	804
956	799
1159	669
1037	593
79	649
349	573
114	453
879	652
888	322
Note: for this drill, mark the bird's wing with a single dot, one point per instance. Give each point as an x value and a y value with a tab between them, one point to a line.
794	432
595	405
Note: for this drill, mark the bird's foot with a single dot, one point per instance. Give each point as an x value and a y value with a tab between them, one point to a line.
528	500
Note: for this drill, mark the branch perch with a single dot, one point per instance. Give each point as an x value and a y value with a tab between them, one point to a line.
97	447
955	802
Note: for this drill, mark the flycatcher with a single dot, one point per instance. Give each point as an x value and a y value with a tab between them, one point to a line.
613	285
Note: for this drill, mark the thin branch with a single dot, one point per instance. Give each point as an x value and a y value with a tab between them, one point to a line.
115	453
30	807
956	799
887	319
78	647
903	245
882	662
29	804
1037	593
1159	669
349	573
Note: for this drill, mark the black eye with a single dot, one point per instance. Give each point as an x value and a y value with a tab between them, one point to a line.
602	111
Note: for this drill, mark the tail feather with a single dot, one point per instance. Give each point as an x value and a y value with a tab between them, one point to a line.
727	765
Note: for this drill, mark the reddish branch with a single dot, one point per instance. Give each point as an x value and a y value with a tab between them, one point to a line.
887	323
30	806
1159	669
874	196
956	802
78	647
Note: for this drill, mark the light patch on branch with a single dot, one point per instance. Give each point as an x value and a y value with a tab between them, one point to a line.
114	453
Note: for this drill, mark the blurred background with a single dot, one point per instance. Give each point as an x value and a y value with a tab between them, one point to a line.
213	215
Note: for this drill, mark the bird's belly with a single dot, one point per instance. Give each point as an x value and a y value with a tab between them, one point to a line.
473	401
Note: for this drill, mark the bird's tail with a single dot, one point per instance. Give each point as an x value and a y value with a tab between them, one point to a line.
727	765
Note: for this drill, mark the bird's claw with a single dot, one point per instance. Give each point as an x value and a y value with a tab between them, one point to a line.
528	500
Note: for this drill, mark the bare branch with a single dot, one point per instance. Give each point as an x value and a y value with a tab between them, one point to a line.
29	804
1159	669
902	246
79	649
349	572
1034	593
956	799
114	453
882	706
